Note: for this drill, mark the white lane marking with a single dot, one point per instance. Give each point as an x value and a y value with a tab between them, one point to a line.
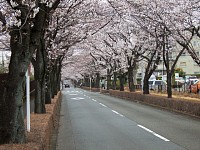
94	100
77	98
155	134
102	105
73	94
161	137
117	113
148	130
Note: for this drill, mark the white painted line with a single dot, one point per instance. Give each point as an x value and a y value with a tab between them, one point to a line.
72	94
102	105
94	100
161	137
77	98
148	130
155	134
117	113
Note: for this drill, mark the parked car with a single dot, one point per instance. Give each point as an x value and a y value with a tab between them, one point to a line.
155	84
190	78
195	88
180	80
67	86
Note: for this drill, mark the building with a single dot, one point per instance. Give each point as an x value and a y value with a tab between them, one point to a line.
185	62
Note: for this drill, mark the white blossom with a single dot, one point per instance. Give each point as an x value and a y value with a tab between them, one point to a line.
43	1
13	4
17	13
18	23
49	4
35	11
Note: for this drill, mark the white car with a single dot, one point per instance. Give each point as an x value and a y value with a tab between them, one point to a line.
154	84
180	80
190	78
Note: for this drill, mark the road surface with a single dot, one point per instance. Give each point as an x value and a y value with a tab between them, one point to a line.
93	121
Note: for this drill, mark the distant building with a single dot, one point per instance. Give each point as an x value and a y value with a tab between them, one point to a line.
5	58
185	62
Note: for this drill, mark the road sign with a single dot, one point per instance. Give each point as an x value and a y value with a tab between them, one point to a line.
176	76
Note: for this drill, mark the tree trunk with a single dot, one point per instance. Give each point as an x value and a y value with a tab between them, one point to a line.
108	79
87	81
59	67
12	128
55	77
52	82
169	84
92	82
130	79
114	81
48	87
146	84
39	73
97	80
108	82
121	80
48	94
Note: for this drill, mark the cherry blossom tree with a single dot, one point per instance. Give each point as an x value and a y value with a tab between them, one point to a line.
25	25
84	24
169	19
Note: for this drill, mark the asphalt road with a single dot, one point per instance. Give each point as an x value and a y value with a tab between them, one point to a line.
93	121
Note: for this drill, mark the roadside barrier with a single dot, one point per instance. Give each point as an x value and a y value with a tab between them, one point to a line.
185	106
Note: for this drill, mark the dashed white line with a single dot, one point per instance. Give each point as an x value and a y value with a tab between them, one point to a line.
94	100
72	94
155	134
117	113
148	130
161	137
102	105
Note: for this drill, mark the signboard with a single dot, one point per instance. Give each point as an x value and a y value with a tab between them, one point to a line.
176	76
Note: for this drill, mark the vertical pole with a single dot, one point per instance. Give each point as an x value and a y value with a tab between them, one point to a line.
28	100
142	78
90	83
3	69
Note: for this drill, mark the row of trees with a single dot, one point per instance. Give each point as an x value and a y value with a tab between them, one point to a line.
85	37
142	33
41	32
